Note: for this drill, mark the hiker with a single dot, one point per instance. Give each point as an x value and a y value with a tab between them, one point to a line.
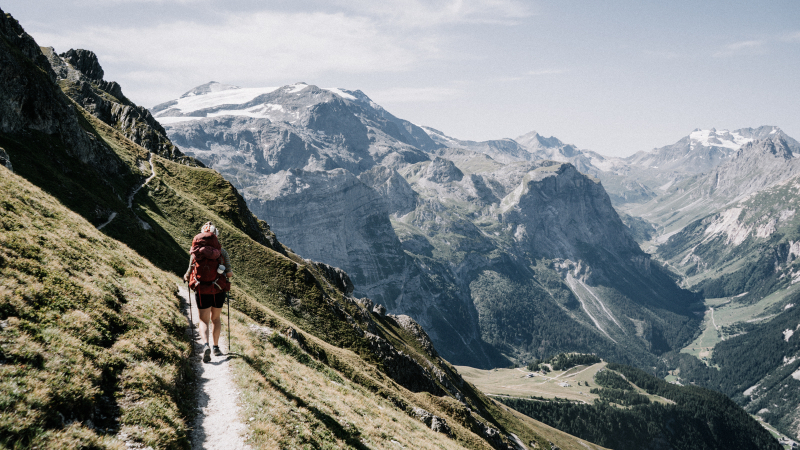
209	276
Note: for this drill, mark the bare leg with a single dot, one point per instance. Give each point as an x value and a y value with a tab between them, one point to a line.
205	315
216	323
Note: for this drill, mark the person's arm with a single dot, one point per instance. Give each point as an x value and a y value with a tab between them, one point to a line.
189	270
226	261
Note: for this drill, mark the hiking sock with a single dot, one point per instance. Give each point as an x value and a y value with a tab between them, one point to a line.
206	353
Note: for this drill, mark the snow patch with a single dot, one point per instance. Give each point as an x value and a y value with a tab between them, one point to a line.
721	138
214	99
790	305
340	93
749	391
787	361
787	333
172	120
295	88
796	374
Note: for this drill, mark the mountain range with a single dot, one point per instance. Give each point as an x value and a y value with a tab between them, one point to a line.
437	232
503	251
497	243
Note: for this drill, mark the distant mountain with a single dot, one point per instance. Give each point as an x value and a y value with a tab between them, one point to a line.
435	228
756	166
704	150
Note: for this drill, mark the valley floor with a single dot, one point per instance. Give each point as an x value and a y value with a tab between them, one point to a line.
573	384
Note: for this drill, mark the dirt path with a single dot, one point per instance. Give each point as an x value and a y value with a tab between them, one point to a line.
714	322
217	425
113	215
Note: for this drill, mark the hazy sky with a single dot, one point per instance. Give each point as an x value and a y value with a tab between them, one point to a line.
614	77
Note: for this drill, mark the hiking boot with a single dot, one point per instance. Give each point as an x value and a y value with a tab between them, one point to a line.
217	351
206	353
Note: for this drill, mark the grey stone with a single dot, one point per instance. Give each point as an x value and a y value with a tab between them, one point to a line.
5	160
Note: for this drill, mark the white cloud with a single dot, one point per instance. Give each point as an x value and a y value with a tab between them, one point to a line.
275	42
249	48
413	95
742	47
792	37
429	13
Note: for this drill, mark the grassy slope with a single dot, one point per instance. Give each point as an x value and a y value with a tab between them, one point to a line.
92	336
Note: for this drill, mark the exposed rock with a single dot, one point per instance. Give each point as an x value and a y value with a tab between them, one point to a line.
5	160
379	310
336	276
365	302
402	368
33	103
82	74
85	61
442	170
393	187
433	422
408	324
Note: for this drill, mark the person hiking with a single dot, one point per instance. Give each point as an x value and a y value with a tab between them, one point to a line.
209	275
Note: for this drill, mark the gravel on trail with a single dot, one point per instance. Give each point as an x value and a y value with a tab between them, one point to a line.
217	425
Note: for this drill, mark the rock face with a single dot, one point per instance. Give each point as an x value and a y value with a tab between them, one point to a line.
425	229
82	75
33	104
5	160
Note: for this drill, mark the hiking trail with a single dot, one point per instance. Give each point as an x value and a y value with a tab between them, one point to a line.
217	425
113	215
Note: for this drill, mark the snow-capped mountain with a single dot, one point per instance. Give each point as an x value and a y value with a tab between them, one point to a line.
703	150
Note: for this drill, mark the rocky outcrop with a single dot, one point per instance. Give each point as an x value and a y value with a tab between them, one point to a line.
390	185
31	102
413	328
441	170
402	368
433	422
5	160
82	78
334	275
85	62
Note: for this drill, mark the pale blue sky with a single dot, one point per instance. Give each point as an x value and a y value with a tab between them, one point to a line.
614	77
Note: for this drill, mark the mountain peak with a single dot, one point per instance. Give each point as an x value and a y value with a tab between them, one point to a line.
84	61
211	86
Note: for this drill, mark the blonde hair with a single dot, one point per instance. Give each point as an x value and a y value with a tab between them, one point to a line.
209	227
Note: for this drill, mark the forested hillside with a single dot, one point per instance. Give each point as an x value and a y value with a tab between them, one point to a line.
694	418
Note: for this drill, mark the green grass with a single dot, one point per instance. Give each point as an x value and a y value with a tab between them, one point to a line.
93	337
545	385
728	313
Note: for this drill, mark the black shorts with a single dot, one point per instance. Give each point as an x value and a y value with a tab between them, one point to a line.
205	301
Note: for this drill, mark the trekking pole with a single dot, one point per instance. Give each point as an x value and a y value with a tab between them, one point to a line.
191	317
229	323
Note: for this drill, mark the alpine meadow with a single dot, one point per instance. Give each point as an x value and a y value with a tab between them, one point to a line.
392	286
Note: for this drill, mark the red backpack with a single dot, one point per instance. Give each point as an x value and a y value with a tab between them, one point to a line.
204	278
